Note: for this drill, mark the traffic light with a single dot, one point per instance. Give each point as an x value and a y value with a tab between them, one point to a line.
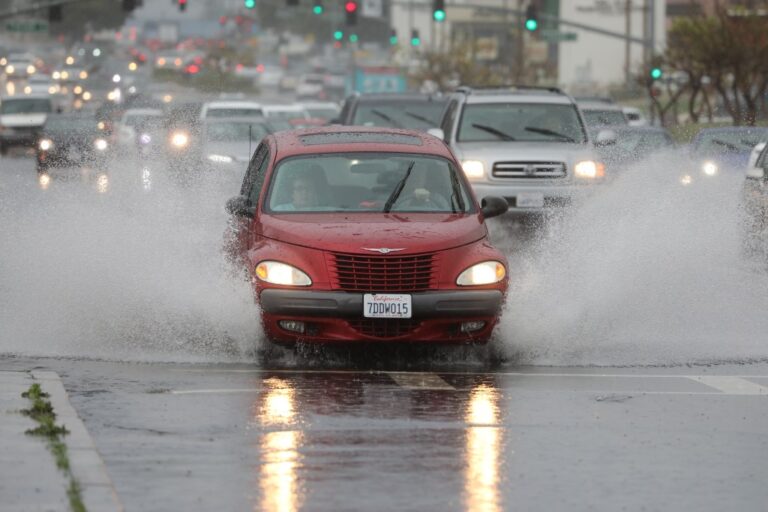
393	37
353	38
532	18
250	4
338	35
54	13
182	5
656	73
438	10
350	8
415	39
318	7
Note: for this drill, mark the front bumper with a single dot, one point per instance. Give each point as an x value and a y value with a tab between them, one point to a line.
553	195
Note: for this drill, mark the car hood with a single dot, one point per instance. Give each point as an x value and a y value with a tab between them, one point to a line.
500	151
353	232
237	150
23	120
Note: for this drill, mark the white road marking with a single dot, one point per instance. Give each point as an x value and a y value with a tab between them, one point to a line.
418	380
731	385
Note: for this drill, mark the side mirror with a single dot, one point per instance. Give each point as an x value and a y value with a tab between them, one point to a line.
605	138
493	206
755	173
240	206
437	132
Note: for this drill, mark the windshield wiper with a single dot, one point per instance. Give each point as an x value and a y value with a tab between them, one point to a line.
490	129
421	118
732	147
551	133
398	189
386	118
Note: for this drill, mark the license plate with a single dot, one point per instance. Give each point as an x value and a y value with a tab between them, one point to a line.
530	200
386	305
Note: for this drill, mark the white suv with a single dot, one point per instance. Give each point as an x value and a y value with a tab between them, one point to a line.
526	144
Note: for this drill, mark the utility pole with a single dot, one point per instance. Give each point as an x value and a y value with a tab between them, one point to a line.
628	28
519	50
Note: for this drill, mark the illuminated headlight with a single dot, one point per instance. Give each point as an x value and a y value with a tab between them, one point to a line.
83	75
589	169
709	168
275	272
56	75
46	144
44	180
27	90
473	169
180	139
87	96
487	272
31	69
220	159
686	180
10	69
3	61
100	144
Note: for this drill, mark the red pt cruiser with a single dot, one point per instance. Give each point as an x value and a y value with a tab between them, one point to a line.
366	234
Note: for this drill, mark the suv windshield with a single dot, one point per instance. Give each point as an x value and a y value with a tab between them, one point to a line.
367	183
25	106
414	116
522	122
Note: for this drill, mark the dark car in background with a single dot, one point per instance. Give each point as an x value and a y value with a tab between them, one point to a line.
71	139
619	147
406	111
227	143
724	151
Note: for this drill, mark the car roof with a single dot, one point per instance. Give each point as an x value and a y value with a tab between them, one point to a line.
293	142
395	97
599	105
237	119
284	108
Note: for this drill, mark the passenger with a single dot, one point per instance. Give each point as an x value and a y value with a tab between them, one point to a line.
305	191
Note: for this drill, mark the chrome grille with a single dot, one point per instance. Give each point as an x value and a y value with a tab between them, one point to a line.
548	170
376	274
384	327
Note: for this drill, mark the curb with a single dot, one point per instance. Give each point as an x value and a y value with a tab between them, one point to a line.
89	470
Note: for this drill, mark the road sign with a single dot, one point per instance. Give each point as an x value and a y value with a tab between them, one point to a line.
554	35
26	26
374	80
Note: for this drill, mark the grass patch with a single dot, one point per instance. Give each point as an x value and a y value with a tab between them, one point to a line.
42	412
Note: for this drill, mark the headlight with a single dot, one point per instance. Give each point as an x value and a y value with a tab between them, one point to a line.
3	61
46	144
279	273
180	139
100	144
473	169
589	169
686	180
487	272
220	159
31	69
709	168
9	69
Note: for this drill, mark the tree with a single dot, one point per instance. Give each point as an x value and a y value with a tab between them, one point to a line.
455	66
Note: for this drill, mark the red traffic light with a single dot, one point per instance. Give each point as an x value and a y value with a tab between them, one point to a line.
350	6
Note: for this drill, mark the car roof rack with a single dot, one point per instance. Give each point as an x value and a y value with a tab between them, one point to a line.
466	89
595	99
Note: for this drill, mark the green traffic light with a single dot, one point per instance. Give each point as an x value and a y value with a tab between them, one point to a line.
250	4
318	9
353	38
531	25
415	41
656	73
439	15
393	40
338	35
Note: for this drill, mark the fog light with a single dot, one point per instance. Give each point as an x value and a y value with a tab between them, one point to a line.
292	326
467	327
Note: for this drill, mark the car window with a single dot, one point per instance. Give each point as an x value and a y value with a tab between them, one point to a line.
254	177
729	141
24	106
367	183
524	122
409	115
229	132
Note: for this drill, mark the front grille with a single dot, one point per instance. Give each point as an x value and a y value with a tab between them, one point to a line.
548	170
384	327
376	274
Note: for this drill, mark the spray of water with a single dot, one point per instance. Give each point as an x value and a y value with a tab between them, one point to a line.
128	273
648	271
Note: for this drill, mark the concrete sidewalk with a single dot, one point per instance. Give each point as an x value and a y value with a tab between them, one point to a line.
29	479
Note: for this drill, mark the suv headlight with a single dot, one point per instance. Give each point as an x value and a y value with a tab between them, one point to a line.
589	169
487	272
473	169
46	144
709	167
179	139
280	273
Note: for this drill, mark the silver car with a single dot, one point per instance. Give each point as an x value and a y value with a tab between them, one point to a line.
528	145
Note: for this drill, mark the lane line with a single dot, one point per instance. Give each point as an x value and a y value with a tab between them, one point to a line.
731	385
418	380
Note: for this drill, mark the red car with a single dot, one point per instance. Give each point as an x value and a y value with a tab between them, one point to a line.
366	234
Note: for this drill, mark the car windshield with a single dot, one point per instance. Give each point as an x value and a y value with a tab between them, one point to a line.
409	115
522	122
367	183
604	117
233	112
286	114
230	132
730	141
25	106
638	143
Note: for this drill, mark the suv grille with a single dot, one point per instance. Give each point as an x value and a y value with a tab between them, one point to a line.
363	273
529	170
384	327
